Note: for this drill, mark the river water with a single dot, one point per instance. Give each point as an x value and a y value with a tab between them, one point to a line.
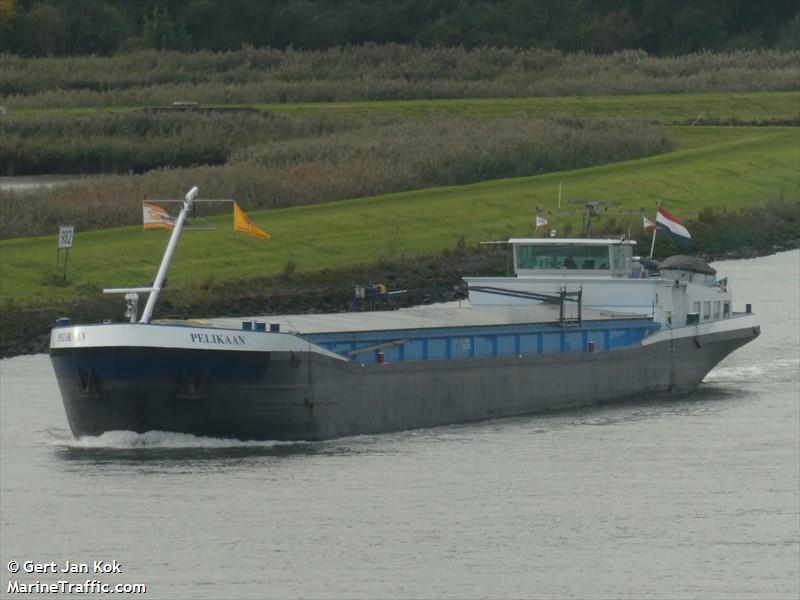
690	498
23	183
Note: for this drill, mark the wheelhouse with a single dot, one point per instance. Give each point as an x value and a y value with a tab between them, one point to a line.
572	256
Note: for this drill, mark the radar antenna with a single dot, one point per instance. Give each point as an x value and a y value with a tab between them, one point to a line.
592	209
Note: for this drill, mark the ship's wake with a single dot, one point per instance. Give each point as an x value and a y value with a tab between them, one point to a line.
155	440
783	369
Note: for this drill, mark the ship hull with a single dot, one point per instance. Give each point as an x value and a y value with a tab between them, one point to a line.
304	395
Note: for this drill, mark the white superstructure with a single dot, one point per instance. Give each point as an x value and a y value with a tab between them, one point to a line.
684	292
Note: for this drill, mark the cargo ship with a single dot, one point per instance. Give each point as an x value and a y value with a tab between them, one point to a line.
579	322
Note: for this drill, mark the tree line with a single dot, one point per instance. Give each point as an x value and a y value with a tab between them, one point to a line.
660	27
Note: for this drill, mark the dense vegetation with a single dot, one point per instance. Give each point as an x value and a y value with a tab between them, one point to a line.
310	166
758	230
72	27
391	72
134	142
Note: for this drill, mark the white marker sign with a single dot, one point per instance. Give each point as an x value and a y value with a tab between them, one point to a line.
65	234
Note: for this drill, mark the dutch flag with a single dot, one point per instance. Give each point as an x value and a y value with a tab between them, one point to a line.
673	227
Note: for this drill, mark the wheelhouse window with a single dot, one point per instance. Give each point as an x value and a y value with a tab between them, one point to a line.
621	257
565	256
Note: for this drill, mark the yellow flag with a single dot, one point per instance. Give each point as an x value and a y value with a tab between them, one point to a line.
241	222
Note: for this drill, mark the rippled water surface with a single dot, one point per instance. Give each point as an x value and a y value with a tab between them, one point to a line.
691	498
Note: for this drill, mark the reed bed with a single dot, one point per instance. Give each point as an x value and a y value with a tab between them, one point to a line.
381	156
385	72
134	142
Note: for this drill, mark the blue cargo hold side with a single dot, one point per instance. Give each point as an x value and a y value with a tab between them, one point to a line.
459	343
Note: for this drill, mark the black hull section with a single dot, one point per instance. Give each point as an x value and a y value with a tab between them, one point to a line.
306	396
202	392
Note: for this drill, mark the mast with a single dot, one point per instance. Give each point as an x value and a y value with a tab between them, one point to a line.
162	270
132	294
653	243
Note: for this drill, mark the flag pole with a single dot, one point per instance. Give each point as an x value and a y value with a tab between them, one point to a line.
653	243
162	270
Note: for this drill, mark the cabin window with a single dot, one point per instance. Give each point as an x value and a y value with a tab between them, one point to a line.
696	307
726	310
706	310
554	256
621	257
716	309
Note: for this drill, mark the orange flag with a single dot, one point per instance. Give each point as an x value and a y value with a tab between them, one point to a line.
155	217
241	222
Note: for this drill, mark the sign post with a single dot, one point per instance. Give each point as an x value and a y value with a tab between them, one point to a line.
66	233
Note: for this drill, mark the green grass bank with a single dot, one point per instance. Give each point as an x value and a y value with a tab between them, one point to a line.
714	167
667	109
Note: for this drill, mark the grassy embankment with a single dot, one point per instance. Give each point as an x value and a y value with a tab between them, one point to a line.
666	109
309	154
754	107
719	167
